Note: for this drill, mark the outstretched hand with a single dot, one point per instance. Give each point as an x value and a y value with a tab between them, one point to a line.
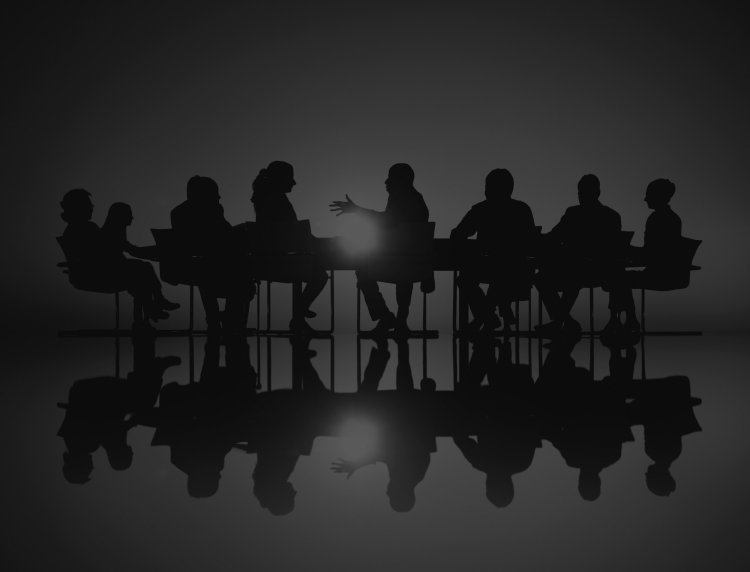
344	466
343	207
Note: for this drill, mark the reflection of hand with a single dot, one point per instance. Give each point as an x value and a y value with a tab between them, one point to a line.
344	466
343	207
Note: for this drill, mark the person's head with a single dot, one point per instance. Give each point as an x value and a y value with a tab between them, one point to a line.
400	176
588	189
202	190
589	485
77	206
120	456
277	497
119	215
428	385
659	193
499	489
498	185
77	467
660	481
401	496
281	175
203	484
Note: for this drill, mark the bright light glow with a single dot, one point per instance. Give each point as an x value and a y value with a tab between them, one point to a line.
360	438
359	234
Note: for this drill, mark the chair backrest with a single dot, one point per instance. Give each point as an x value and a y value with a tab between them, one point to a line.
687	249
408	239
279	238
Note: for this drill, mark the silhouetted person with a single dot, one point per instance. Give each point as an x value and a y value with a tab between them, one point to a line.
271	202
222	268
504	447
661	243
197	420
114	232
666	410
101	410
96	257
406	436
585	420
580	249
505	230
405	205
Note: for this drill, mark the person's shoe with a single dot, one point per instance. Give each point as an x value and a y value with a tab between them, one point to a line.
632	325
402	328
300	326
549	329
157	314
491	323
165	304
385	324
572	326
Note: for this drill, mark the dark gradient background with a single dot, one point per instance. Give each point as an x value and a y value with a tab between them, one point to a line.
130	99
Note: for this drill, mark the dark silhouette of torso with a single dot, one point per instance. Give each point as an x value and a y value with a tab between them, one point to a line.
590	231
405	206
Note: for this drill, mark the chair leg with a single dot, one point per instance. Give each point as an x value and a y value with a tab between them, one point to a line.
268	305
333	305
643	310
455	288
591	310
424	311
117	311
359	305
257	310
190	309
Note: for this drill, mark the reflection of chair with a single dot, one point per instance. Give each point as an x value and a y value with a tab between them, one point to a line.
404	255
83	281
667	278
282	252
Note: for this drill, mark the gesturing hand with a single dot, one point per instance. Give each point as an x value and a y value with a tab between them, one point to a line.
344	466
343	207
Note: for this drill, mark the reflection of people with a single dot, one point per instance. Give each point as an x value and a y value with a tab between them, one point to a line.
271	202
98	408
581	250
505	230
407	438
96	260
502	449
197	419
665	408
405	205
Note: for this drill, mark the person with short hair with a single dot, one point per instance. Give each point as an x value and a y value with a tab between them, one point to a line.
581	249
505	230
405	205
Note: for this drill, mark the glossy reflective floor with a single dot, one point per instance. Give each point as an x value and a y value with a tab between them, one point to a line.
516	457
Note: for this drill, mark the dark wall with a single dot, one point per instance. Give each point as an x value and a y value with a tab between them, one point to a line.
129	100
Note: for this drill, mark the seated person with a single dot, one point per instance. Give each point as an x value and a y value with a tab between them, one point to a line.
579	250
95	258
222	270
660	243
505	229
271	202
405	205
